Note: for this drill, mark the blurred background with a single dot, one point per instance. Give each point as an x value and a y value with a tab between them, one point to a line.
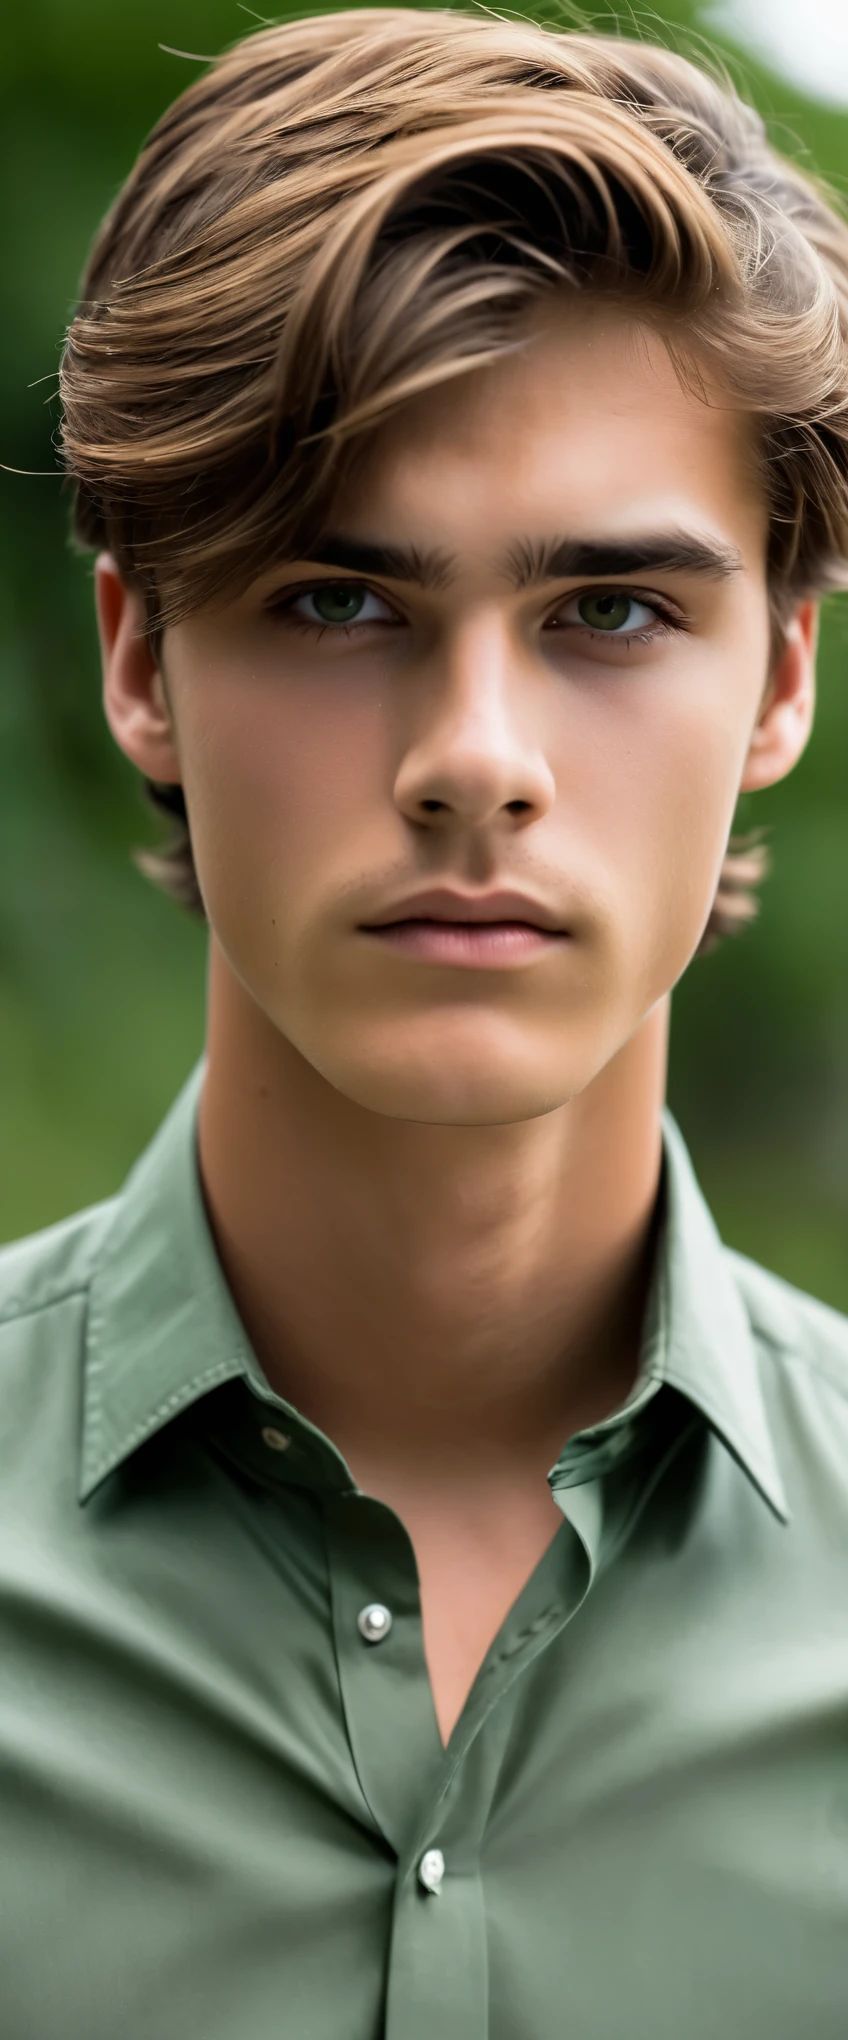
102	980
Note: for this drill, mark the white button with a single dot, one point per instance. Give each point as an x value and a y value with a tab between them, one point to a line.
277	1440
374	1622
431	1870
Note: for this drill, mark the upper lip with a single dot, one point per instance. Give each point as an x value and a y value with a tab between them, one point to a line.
441	904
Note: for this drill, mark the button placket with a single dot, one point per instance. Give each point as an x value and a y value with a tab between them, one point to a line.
438	1965
439	1962
383	1676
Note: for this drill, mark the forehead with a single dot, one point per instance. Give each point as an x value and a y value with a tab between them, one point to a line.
587	423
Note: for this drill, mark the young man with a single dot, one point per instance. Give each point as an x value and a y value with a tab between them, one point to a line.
423	1552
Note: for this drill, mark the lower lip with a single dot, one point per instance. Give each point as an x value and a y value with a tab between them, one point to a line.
490	945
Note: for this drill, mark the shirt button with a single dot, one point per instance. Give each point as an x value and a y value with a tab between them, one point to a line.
276	1440
431	1870
374	1622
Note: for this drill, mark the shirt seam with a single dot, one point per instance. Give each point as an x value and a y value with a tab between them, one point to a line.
18	1310
803	1360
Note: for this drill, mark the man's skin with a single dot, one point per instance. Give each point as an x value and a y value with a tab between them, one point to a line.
433	1186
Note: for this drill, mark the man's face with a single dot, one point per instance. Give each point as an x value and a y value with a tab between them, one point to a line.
346	738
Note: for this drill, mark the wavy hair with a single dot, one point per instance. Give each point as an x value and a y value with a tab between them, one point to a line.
349	208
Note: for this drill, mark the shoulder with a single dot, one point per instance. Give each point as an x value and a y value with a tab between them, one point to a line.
46	1275
45	1282
798	1327
802	1348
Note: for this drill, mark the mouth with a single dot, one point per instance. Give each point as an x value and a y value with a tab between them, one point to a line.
487	944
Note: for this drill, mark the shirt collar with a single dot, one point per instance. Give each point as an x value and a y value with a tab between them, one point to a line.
696	1339
163	1329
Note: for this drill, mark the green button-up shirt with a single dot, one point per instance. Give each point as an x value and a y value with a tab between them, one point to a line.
226	1812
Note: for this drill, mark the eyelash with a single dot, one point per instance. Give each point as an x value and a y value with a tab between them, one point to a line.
666	624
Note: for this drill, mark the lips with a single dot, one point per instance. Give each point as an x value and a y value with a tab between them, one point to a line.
470	910
480	945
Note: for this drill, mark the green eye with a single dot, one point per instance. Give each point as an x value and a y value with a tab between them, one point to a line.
337	605
608	610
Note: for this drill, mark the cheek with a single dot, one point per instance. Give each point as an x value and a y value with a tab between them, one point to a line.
656	788
277	779
686	833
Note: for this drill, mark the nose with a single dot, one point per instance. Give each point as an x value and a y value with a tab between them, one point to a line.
475	751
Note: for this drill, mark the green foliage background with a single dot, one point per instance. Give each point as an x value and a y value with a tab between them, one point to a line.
102	981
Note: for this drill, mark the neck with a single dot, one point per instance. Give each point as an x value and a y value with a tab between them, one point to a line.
404	1285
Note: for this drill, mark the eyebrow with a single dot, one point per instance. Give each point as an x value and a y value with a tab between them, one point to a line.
530	561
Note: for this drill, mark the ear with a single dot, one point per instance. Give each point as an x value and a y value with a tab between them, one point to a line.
134	698
785	715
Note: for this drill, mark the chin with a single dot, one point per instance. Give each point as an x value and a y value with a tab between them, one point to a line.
445	1090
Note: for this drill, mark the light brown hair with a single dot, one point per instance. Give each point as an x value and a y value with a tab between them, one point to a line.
349	208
